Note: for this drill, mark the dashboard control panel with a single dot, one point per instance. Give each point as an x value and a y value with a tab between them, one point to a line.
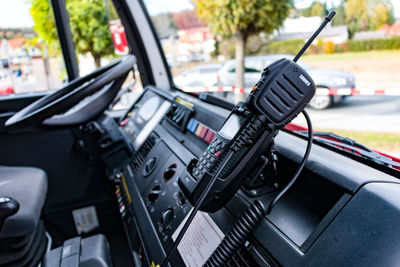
301	230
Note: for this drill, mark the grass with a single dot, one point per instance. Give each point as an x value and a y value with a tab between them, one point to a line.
381	141
353	55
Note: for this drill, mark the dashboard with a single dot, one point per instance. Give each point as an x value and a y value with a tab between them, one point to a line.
339	212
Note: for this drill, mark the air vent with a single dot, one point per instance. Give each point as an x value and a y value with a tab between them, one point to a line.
142	153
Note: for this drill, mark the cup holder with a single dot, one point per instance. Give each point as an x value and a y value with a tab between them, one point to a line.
170	171
154	193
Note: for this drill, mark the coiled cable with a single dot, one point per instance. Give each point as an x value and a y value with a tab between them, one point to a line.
250	219
237	236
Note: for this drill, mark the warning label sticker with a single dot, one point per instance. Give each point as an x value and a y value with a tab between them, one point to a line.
200	240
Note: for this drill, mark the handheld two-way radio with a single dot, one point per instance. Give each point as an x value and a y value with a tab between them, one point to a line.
283	91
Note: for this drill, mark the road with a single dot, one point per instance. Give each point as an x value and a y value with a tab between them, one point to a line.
364	113
361	113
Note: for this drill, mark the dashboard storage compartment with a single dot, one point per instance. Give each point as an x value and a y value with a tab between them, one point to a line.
308	207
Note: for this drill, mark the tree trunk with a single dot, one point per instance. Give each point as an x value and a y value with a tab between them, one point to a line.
97	61
240	49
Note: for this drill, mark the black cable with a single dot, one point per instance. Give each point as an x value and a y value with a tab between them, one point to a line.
236	237
214	178
302	164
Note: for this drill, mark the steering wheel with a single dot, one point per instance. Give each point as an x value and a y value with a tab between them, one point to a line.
78	102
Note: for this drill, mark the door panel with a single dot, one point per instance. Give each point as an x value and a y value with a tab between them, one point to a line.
70	172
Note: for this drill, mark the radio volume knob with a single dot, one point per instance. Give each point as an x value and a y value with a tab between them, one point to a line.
166	218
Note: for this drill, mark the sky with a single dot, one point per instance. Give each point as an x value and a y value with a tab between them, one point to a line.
15	13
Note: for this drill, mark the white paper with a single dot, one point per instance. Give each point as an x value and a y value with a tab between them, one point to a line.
85	219
200	240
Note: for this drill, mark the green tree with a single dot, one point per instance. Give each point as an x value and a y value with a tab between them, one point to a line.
340	18
362	15
318	9
88	22
242	18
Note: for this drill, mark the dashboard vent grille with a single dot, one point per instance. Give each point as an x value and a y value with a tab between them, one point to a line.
142	153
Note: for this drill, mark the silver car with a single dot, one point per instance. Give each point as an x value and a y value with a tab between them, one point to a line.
323	78
204	75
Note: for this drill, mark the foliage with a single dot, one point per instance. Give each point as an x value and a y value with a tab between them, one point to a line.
377	44
362	15
321	47
111	11
315	9
340	17
242	18
249	16
329	47
89	28
43	17
318	9
285	47
88	22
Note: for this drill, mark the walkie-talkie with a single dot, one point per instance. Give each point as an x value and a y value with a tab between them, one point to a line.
283	91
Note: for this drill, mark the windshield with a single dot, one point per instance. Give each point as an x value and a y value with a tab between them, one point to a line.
355	67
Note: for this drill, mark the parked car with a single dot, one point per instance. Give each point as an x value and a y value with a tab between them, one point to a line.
204	75
323	78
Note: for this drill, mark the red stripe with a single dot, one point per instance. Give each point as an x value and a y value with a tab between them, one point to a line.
379	92
333	91
355	91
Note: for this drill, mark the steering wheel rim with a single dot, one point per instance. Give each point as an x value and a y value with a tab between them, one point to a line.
67	97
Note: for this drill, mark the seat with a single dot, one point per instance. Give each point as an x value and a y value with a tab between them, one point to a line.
28	186
22	235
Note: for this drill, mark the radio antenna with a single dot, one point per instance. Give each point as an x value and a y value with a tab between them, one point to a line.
327	19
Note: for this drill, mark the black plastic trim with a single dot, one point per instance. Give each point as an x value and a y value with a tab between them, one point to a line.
64	34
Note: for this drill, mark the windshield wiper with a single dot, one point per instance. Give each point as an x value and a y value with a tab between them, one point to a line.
351	146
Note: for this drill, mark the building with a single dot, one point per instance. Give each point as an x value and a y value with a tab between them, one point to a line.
303	28
369	35
194	44
390	30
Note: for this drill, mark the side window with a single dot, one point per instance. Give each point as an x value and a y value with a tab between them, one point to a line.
99	37
252	66
90	23
31	57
